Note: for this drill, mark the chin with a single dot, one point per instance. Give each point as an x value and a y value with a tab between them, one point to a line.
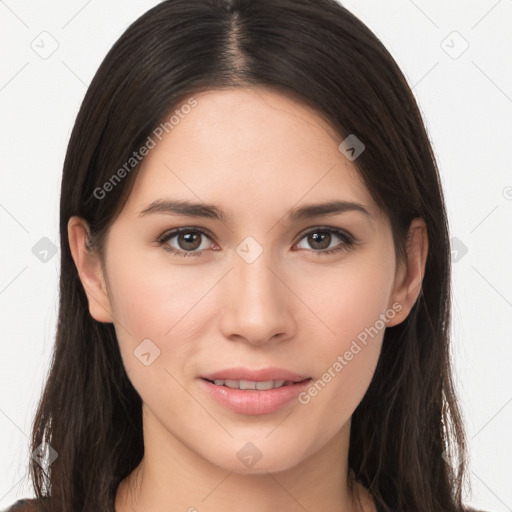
251	461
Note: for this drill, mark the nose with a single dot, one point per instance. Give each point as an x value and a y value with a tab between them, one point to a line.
257	305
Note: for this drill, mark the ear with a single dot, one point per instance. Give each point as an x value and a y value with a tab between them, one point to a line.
409	277
88	264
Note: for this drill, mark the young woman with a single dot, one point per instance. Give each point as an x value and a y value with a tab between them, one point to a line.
255	276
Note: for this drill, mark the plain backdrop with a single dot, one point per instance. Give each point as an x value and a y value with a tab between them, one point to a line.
456	57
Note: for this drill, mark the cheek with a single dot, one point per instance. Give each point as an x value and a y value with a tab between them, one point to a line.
156	301
352	304
151	297
351	299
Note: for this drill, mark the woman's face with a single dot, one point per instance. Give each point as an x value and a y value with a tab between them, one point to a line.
255	285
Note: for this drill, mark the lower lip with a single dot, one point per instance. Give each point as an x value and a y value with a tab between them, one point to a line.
254	402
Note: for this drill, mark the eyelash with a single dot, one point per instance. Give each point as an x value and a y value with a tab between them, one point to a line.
348	240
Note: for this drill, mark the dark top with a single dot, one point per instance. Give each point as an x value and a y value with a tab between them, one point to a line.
30	505
27	505
21	506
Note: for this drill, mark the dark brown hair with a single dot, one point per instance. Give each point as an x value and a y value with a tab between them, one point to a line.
319	53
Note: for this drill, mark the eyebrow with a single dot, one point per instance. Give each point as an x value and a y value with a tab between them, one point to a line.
210	211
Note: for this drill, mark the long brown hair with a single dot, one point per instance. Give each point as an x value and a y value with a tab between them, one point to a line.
318	52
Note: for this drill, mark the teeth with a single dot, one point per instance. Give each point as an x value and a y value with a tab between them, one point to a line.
249	384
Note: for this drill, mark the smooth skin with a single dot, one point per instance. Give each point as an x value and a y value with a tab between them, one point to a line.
257	155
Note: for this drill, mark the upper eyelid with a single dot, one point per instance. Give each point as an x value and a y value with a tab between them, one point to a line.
325	228
171	233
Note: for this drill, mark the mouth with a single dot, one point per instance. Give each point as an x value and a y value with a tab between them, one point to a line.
250	385
254	397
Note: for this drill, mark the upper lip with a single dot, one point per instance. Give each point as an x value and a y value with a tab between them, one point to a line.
261	375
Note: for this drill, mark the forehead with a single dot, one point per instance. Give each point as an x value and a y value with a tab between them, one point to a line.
246	148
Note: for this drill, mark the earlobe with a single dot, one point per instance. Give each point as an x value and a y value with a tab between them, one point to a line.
409	279
88	264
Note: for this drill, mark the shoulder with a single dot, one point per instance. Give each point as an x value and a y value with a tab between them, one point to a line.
25	505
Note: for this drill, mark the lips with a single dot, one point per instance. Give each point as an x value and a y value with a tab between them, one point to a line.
273	388
262	375
254	401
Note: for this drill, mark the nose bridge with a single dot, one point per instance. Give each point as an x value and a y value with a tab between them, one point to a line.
256	307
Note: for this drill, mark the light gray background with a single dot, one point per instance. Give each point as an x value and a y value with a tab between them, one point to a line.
466	98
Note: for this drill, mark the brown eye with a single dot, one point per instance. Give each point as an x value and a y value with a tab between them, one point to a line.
320	240
188	242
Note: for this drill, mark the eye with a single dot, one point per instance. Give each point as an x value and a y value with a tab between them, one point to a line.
187	239
321	238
